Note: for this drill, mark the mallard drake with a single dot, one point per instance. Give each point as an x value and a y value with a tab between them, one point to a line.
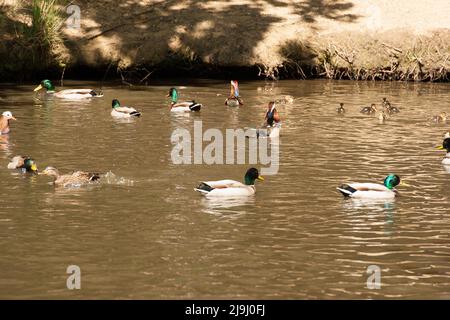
184	106
441	118
234	100
369	110
23	163
4	122
446	146
372	190
341	108
73	94
76	178
123	112
231	188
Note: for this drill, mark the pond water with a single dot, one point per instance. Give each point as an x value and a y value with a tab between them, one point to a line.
146	234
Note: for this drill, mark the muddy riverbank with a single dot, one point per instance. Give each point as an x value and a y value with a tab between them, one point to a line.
140	40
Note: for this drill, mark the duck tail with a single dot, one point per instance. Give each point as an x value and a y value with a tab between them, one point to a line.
204	188
94	177
135	114
96	93
195	106
346	190
12	165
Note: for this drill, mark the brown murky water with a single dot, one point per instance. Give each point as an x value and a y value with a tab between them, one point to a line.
147	234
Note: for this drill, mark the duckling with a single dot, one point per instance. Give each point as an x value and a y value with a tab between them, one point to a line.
72	94
385	102
369	110
382	116
123	112
341	108
389	109
23	163
441	118
5	118
76	178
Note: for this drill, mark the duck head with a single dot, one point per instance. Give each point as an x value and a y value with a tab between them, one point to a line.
173	93
30	165
45	84
391	181
445	145
251	175
8	115
115	103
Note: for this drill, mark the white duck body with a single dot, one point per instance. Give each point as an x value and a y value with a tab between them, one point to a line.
369	191
74	94
125	112
186	106
227	188
70	94
446	160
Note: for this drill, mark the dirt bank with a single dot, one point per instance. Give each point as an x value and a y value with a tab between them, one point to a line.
354	39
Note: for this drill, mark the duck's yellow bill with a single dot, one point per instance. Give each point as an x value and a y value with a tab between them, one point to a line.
33	167
39	87
440	148
260	178
404	184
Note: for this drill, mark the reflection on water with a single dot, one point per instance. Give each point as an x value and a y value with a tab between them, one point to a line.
4	143
145	233
374	204
224	206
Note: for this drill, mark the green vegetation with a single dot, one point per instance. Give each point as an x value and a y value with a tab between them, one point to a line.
37	44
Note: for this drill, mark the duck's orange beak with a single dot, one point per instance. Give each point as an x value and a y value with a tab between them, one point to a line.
12	118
